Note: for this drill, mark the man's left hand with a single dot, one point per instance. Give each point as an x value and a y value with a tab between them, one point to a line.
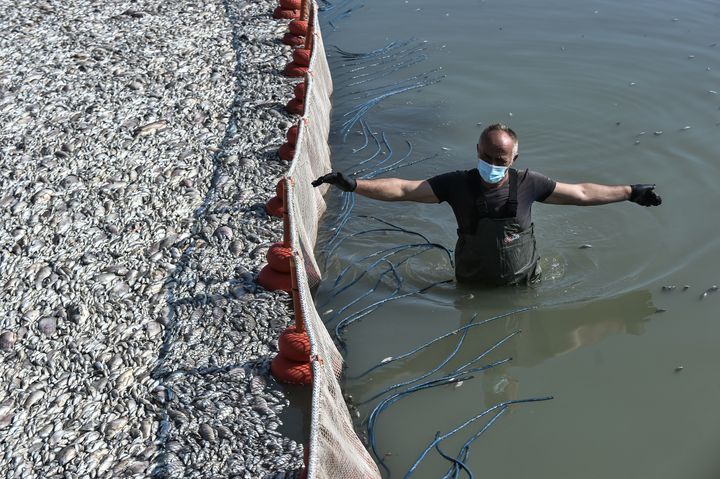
644	195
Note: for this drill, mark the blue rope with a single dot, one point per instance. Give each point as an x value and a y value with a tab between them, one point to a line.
429	373
441	438
390	400
457	463
369	309
390	360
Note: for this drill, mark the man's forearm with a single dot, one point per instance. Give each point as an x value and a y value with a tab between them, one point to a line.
385	189
594	194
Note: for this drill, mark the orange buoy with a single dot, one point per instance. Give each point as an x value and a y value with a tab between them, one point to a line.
291	372
298	27
275	207
299	91
294	70
290	4
294	345
301	56
292	134
293	40
278	257
274	280
295	107
280	188
286	152
286	13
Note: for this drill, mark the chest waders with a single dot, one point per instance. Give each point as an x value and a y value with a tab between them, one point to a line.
498	252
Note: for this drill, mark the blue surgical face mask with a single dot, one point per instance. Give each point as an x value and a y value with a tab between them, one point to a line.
491	173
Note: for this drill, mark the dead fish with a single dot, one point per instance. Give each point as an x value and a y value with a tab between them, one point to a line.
151	128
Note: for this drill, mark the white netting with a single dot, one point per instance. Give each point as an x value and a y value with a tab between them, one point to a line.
335	450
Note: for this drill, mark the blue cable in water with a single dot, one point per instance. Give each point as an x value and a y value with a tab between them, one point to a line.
394	250
427	374
441	438
376	263
416	350
373	230
354	65
369	309
394	167
398	282
454	371
390	400
462	457
457	462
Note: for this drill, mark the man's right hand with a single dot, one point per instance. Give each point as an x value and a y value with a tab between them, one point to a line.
337	179
644	195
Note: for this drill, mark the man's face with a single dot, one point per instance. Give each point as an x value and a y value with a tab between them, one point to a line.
497	148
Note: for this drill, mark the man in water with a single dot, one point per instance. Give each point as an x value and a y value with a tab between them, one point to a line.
492	205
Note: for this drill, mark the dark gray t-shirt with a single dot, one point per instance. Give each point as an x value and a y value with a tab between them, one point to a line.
457	189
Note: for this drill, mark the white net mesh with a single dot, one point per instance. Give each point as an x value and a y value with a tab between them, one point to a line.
335	450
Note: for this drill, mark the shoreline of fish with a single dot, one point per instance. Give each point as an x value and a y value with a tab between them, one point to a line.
137	146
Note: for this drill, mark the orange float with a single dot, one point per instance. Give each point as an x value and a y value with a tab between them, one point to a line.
293	71
293	40
275	207
273	280
280	188
295	107
301	56
286	152
298	27
285	13
278	257
291	372
292	134
294	345
299	91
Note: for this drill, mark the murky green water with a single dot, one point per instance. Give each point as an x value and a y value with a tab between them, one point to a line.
599	91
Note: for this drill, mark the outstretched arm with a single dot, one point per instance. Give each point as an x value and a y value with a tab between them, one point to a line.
384	189
396	189
588	194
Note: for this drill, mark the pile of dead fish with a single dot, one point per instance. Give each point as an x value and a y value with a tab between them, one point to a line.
137	150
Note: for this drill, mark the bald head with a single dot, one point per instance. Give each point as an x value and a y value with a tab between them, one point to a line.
498	145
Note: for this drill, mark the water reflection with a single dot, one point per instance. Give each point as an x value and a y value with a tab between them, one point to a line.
545	333
550	333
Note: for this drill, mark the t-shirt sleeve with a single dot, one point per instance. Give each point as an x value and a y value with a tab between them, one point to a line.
542	185
445	186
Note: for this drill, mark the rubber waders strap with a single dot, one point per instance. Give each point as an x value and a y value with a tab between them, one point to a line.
512	202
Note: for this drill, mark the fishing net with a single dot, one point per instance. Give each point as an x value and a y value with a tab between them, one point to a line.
335	450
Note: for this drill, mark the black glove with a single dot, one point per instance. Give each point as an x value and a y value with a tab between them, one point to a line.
338	179
644	195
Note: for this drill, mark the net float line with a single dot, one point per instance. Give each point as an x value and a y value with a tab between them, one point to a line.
288	9
295	37
277	273
276	205
296	106
300	63
292	364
